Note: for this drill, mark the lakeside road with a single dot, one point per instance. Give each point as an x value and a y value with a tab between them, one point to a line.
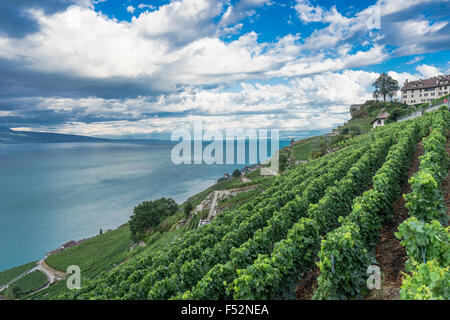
52	276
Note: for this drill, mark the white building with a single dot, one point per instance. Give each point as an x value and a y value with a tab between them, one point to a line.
380	120
421	91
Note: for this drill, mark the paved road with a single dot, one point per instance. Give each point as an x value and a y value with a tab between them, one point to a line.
41	267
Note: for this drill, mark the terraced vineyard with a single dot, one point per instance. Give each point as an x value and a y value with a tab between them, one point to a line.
326	213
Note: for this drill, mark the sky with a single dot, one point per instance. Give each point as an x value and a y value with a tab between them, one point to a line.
141	69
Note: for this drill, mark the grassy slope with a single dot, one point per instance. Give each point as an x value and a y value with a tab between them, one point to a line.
95	262
103	252
96	254
10	274
302	148
31	282
227	184
364	124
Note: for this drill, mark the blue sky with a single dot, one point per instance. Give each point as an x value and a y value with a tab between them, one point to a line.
145	68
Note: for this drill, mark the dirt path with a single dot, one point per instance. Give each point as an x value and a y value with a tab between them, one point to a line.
390	255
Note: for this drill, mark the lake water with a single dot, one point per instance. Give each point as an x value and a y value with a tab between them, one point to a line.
52	193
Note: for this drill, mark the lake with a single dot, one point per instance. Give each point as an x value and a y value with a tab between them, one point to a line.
55	192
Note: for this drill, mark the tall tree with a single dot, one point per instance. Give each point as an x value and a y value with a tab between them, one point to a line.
385	86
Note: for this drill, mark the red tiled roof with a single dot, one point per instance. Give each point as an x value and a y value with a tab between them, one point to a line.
381	117
438	81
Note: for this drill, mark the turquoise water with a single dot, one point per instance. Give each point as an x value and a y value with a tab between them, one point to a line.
52	193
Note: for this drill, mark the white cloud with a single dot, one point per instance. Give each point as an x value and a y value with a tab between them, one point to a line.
428	71
415	60
146	6
177	48
240	10
84	43
317	102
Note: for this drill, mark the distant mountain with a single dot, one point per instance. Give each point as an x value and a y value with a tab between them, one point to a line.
8	136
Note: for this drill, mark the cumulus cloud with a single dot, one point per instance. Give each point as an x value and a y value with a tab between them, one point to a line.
317	102
240	10
428	71
76	70
85	43
398	21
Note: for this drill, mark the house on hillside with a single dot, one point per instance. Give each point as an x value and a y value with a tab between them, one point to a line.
380	120
427	90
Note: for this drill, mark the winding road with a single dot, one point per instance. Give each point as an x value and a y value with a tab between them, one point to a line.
52	277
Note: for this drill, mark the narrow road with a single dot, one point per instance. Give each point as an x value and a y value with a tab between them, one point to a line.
41	266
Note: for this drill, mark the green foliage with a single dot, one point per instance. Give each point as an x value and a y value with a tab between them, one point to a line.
239	198
283	161
343	263
12	293
429	281
301	150
272	275
394	115
188	208
353	243
10	274
94	255
426	201
261	247
424	241
209	242
149	214
236	173
31	282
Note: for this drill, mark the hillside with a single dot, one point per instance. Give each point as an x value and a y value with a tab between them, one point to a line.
360	122
260	240
346	194
8	136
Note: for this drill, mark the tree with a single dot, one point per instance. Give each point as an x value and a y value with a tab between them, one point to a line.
236	173
101	231
385	86
394	115
355	129
149	214
188	208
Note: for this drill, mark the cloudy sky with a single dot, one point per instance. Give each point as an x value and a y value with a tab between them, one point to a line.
139	68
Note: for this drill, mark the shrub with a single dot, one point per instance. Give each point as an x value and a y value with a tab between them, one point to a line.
149	214
424	241
429	281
